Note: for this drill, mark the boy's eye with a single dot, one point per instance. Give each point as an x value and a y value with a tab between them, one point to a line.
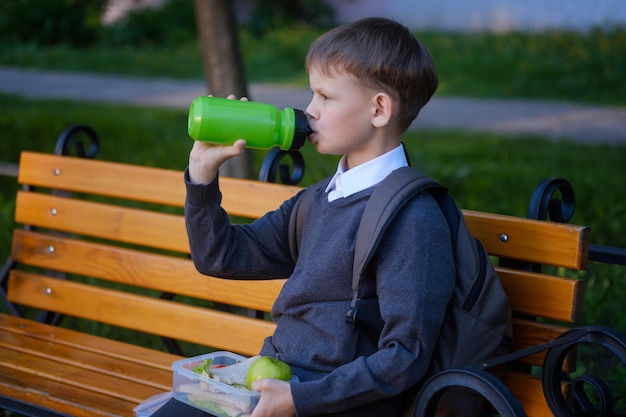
321	96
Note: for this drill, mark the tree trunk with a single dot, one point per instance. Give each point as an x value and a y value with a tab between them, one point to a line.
223	66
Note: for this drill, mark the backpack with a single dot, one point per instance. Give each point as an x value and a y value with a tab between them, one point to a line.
478	322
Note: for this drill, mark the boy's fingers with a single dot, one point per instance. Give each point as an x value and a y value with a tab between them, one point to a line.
234	97
240	145
235	150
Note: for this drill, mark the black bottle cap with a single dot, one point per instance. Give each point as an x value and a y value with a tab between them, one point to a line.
301	130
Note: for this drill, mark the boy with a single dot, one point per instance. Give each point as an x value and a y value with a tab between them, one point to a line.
369	80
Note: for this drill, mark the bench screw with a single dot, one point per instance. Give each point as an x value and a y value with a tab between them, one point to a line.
48	291
53	212
504	238
57	171
51	249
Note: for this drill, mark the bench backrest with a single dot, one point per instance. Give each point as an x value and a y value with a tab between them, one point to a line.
117	233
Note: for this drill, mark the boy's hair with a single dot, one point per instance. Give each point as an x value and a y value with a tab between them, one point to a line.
384	55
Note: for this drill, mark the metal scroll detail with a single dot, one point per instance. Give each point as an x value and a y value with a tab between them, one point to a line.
476	380
583	405
73	136
271	166
543	204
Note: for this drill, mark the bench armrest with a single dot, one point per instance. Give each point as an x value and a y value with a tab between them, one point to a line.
476	378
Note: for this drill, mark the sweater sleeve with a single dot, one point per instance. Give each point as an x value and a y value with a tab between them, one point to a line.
414	280
258	250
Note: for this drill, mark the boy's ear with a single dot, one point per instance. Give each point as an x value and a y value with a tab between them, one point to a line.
383	109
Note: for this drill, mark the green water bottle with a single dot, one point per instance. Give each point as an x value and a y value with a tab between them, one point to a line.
263	126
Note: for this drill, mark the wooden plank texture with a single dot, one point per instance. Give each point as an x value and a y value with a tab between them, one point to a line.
535	241
161	186
58	335
75	373
543	295
192	324
529	392
122	224
529	333
147	270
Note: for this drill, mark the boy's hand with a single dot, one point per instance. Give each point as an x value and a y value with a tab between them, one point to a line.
205	159
275	399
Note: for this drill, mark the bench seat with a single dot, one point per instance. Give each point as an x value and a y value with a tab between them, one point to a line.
104	244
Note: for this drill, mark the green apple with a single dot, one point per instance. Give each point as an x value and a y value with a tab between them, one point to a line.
268	367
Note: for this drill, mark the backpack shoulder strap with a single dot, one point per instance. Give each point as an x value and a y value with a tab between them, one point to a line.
298	214
386	200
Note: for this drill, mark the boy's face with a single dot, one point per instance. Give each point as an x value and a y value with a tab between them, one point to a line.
341	116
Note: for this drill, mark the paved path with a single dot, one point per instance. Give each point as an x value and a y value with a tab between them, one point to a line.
545	118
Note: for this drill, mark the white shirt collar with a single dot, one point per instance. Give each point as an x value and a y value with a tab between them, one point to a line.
347	182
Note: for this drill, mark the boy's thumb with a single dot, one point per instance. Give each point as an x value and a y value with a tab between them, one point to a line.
235	149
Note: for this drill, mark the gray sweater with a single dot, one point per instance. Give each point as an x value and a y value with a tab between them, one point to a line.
412	275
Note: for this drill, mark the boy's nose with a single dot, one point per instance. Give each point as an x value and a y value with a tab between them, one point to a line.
310	111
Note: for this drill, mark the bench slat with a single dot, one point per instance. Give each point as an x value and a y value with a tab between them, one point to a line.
88	362
102	178
529	392
85	342
543	295
164	273
528	333
165	318
128	225
536	241
79	392
531	333
70	374
67	399
241	198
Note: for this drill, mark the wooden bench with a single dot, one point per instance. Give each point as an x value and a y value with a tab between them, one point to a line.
106	243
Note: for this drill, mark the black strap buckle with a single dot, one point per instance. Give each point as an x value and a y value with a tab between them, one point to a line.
352	313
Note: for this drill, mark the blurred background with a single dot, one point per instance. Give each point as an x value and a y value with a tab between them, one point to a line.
490	52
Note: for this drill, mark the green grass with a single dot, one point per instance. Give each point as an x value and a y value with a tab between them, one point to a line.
183	62
586	67
581	67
